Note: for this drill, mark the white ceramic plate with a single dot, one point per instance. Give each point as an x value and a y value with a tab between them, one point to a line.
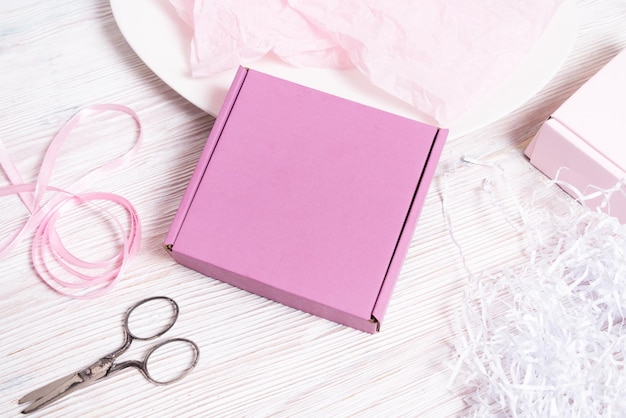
161	40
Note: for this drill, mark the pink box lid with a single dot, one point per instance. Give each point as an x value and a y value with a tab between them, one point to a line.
581	144
596	111
306	198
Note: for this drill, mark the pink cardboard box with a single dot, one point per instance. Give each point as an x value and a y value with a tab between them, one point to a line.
306	198
583	142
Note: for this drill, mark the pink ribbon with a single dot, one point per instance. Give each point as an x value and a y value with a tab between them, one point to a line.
47	247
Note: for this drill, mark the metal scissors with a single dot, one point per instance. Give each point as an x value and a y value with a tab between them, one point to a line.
106	366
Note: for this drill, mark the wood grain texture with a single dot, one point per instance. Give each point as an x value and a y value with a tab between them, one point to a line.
258	358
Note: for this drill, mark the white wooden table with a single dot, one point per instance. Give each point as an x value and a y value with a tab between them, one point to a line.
258	358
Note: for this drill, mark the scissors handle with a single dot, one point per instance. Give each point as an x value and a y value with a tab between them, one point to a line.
130	325
152	334
144	365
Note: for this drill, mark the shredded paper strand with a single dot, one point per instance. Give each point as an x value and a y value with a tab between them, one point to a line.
548	339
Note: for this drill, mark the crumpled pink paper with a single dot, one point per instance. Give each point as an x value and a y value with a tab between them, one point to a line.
441	56
229	33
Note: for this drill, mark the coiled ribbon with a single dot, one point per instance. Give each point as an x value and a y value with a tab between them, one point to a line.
47	246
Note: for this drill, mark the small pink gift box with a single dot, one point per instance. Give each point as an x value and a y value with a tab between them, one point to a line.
583	142
306	198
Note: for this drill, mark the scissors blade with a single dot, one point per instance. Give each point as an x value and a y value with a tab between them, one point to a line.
42	391
64	386
51	392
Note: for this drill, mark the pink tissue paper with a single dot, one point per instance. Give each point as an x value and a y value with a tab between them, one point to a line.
306	198
582	144
441	56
